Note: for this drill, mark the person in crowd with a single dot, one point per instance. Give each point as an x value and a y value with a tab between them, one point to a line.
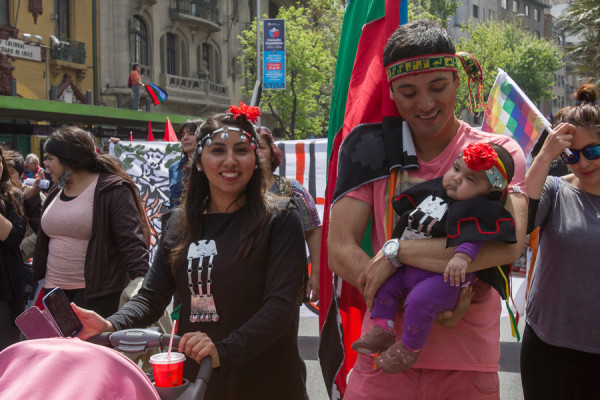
32	166
178	171
465	206
234	260
462	362
12	230
32	199
560	353
271	157
93	232
135	83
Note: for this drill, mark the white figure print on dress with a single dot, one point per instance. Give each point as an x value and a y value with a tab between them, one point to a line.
202	304
429	211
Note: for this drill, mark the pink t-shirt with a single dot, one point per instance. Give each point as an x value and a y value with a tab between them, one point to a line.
69	226
474	344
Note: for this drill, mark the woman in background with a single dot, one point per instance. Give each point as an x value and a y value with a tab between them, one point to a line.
560	354
178	171
12	231
93	233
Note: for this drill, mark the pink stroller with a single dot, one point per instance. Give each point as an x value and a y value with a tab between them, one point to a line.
60	368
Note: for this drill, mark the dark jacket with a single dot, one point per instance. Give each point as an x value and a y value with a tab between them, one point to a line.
117	246
11	262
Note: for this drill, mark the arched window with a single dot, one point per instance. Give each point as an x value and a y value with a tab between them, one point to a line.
138	41
209	62
3	12
171	65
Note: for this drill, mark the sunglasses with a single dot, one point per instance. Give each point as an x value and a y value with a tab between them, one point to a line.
591	152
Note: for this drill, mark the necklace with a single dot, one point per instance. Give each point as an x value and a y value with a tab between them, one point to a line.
590	200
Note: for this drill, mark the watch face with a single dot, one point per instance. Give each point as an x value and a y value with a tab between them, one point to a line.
390	247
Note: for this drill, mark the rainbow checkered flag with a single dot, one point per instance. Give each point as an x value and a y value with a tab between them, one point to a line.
510	112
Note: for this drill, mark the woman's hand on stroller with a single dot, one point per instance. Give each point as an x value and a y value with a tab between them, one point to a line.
93	323
198	345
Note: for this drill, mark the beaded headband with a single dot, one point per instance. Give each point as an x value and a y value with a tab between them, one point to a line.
206	141
250	113
442	62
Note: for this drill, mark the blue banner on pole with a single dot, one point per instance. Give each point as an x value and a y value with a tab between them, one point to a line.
274	54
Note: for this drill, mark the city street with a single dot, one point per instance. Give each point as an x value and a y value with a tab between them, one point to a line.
510	380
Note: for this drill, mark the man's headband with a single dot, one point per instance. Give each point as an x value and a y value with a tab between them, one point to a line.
482	157
442	62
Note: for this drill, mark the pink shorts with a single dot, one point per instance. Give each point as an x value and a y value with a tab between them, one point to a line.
419	384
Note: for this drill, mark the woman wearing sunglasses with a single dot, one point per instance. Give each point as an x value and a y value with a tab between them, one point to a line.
560	354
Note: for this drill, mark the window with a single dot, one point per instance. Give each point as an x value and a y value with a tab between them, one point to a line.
3	12
515	6
63	23
273	9
503	4
170	44
138	41
537	34
475	11
527	10
536	14
209	63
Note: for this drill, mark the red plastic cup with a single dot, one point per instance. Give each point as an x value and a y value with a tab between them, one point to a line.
168	372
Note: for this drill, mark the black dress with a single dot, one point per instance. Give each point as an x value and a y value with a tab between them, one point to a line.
254	298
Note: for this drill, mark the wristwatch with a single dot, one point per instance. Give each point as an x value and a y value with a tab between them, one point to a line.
390	250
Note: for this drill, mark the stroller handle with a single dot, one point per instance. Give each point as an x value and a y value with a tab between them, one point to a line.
138	340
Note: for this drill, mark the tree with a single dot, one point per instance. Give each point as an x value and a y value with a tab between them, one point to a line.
583	19
531	62
312	35
433	10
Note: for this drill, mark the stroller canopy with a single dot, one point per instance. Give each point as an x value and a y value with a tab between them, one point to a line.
60	368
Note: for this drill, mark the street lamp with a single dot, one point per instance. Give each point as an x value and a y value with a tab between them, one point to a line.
37	39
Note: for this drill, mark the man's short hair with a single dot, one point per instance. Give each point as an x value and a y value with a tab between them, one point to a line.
134	66
31	158
417	38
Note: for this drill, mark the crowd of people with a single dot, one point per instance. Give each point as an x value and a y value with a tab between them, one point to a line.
232	251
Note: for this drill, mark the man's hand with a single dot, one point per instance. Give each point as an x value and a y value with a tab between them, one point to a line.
456	270
449	319
370	280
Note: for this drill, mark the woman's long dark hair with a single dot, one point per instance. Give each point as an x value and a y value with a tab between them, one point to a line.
75	149
254	214
9	195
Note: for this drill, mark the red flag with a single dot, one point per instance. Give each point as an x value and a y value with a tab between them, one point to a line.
170	135
368	101
130	136
150	137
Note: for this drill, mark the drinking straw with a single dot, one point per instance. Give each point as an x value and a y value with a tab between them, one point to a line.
174	318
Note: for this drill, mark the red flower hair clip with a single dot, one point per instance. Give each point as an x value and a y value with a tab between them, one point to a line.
480	156
250	112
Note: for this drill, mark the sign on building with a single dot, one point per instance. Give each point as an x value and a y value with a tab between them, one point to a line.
274	54
20	49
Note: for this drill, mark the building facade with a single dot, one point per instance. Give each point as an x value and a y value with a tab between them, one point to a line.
188	48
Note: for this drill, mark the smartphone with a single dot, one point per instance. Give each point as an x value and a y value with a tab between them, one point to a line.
36	324
59	307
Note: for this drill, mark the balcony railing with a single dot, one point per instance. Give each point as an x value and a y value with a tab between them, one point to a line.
218	92
197	8
70	50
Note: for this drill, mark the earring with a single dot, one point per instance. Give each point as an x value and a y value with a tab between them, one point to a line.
255	166
63	179
199	169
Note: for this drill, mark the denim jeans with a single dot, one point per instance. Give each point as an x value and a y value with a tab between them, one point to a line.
135	104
